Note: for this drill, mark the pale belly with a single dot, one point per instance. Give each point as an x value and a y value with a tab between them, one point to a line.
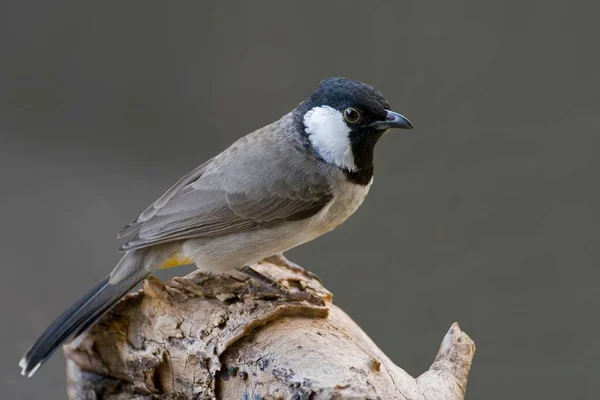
226	253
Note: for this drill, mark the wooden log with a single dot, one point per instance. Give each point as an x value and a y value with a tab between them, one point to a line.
213	337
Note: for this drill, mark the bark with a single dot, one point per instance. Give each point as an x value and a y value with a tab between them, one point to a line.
212	337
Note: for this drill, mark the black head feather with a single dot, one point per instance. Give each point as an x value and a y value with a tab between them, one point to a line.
341	93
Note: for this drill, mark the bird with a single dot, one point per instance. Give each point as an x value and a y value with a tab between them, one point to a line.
274	189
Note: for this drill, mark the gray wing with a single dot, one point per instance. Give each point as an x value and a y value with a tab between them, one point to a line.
258	181
151	211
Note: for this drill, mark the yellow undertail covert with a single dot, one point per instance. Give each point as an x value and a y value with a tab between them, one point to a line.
176	261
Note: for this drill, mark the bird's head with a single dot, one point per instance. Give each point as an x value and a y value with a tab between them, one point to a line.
343	120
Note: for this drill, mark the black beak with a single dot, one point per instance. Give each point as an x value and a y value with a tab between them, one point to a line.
393	120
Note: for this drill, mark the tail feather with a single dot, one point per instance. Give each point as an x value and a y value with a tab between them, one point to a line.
79	317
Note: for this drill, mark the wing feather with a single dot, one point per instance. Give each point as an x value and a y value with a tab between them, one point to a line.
234	192
162	200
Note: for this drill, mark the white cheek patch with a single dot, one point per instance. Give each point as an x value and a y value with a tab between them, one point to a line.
329	135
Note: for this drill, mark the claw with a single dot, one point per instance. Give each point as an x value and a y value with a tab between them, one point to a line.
280	290
304	296
282	261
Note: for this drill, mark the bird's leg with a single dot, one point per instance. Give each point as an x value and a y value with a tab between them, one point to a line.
283	292
282	261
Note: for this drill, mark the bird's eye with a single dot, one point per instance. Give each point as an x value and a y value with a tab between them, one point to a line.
351	115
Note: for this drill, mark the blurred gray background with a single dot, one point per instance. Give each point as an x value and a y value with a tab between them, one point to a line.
486	214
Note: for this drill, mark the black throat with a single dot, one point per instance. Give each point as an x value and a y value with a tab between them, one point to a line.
363	142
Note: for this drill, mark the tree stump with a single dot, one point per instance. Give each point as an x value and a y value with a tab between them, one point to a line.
217	337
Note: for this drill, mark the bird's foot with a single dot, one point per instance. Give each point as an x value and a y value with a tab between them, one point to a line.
281	291
302	296
282	261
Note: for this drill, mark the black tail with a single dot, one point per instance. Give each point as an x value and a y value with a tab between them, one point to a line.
77	319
